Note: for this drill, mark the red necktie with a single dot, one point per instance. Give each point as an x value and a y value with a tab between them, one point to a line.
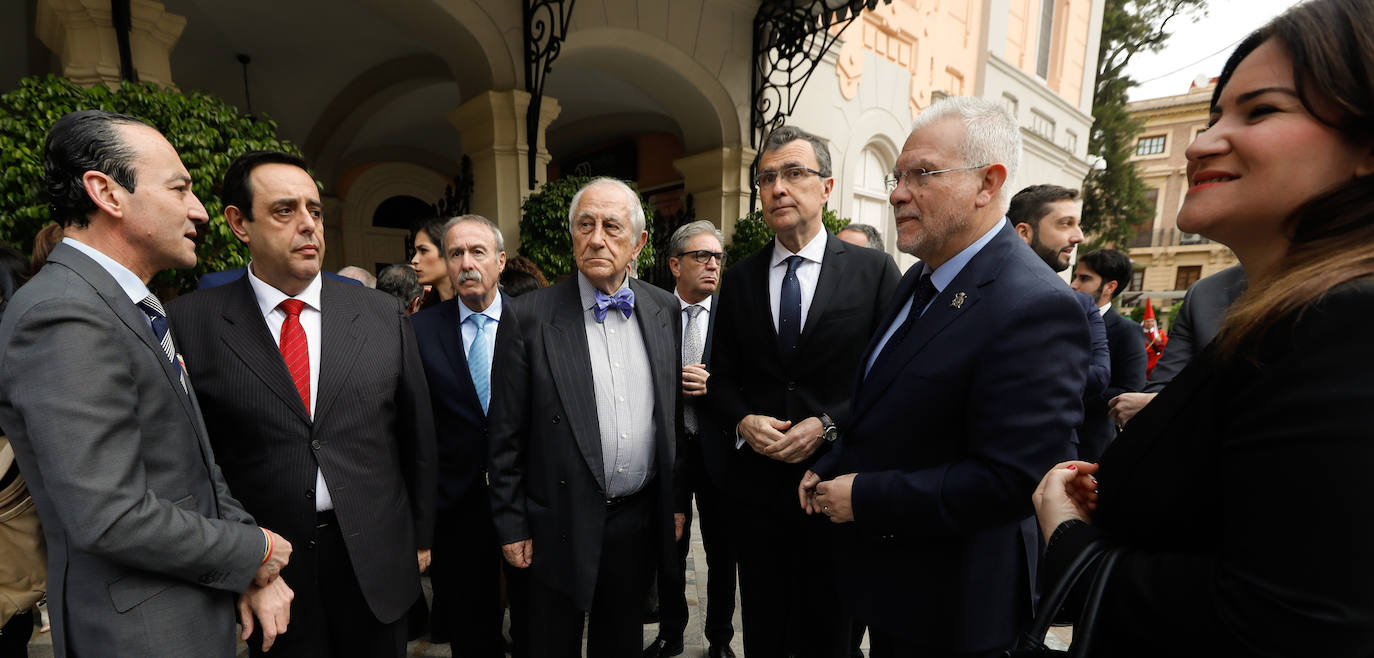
295	350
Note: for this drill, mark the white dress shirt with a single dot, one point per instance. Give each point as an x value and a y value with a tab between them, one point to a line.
269	302
808	273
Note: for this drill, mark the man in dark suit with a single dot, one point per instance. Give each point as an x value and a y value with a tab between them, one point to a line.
696	262
793	320
316	402
969	391
583	427
146	546
457	339
1192	328
1104	274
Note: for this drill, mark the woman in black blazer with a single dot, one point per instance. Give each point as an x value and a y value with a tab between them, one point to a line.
1243	495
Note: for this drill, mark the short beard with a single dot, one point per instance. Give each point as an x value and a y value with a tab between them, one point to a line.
1050	256
933	237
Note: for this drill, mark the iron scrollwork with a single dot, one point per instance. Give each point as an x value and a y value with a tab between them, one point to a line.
546	26
790	37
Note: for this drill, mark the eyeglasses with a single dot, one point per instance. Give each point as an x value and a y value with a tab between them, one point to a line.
704	256
920	175
790	175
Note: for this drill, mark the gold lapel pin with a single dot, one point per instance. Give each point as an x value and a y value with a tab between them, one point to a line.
958	301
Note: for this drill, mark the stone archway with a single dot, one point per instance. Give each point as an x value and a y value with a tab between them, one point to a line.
364	244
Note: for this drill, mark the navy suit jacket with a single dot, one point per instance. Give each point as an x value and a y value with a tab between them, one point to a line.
1128	376
951	430
460	424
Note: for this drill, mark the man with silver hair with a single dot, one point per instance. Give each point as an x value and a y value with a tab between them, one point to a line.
791	329
457	339
969	392
697	259
583	433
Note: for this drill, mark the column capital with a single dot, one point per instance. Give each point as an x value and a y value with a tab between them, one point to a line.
82	34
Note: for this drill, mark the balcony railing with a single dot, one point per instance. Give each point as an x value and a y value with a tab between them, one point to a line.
1166	237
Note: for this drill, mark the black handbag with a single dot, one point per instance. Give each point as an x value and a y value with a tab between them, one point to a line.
1096	559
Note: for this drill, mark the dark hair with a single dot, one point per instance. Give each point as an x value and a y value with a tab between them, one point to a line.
434	229
237	189
43	244
785	135
1031	204
82	141
524	264
401	282
518	282
1333	232
870	233
1111	265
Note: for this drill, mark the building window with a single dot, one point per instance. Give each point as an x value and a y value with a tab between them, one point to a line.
1042	125
1152	145
1187	276
1042	55
1137	281
870	194
1152	198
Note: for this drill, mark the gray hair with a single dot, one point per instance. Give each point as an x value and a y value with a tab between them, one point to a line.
635	210
785	135
400	281
454	221
991	136
686	232
875	239
359	274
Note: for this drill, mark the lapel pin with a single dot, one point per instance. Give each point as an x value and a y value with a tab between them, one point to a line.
958	301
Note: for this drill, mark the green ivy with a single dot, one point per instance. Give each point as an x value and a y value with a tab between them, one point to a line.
752	233
544	236
207	132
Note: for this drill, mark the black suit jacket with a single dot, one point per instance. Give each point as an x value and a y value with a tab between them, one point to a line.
1128	376
713	453
547	479
460	423
1197	323
1270	554
372	434
952	430
750	376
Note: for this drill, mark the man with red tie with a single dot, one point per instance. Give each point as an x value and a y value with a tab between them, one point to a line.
317	406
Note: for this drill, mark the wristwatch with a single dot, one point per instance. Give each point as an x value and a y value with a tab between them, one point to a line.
831	431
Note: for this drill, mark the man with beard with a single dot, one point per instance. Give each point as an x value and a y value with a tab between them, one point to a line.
968	393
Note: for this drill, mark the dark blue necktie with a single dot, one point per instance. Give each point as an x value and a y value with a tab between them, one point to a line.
925	291
623	299
789	308
152	308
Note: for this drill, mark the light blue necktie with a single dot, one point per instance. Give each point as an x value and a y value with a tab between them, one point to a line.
479	360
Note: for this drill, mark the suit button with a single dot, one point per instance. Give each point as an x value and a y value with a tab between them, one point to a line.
791	386
206	579
315	444
310	544
563	483
564	537
310	494
556	418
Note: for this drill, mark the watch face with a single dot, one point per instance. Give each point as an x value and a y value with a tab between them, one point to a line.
831	433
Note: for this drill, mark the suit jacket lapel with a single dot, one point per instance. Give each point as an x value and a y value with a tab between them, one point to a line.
710	331
565	338
340	342
827	286
246	335
655	325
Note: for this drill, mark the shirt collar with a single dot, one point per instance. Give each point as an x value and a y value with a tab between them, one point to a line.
705	303
587	291
269	297
952	267
813	251
492	312
1102	310
125	277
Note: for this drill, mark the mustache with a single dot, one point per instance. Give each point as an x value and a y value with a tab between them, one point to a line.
469	275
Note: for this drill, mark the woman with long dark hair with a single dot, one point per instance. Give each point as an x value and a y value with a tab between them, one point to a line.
1241	500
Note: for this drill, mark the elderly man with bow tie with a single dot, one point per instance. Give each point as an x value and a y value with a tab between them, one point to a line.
583	429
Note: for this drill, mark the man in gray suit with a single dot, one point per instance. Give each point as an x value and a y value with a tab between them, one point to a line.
583	427
142	532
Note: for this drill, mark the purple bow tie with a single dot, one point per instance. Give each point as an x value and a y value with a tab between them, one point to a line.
623	299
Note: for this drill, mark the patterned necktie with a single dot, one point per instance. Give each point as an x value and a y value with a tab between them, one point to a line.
295	350
479	360
623	299
158	317
925	291
789	308
691	354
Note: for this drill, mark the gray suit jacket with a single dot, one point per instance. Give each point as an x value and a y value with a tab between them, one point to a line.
547	479
1197	323
146	548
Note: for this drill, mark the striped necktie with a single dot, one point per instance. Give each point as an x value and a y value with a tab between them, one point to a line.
152	308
